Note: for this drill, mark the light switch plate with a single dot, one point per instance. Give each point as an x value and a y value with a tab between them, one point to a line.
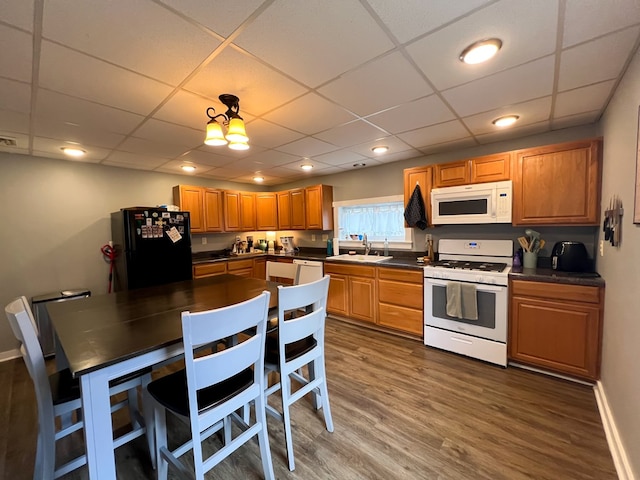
313	237
204	240
325	237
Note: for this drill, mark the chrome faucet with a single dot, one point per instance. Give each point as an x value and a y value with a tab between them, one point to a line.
367	246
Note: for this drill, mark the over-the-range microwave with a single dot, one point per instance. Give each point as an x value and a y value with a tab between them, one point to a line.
469	204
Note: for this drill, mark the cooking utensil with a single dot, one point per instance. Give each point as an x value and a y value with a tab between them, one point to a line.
524	244
532	233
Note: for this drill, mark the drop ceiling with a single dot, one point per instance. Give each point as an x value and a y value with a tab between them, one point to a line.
319	81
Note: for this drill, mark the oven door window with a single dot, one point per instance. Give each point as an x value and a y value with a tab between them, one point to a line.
475	206
486	307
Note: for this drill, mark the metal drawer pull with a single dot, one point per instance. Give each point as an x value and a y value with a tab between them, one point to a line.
462	340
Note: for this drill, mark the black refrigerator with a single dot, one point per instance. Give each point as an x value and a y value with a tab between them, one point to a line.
152	245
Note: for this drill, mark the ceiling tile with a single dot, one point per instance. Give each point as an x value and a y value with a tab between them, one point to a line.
309	114
583	99
412	115
148	147
15	96
319	30
576	120
443	132
576	64
307	147
82	136
53	149
397	156
175	166
530	112
133	160
525	82
417	17
339	157
352	133
149	39
269	135
270	158
61	108
295	166
394	143
454	145
159	131
100	82
18	13
222	17
259	88
22	142
14	122
587	19
514	22
15	61
207	158
380	84
512	133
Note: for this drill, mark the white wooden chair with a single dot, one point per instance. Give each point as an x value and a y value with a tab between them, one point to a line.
58	395
299	342
279	271
213	385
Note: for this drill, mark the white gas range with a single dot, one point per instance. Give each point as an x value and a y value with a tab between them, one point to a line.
481	268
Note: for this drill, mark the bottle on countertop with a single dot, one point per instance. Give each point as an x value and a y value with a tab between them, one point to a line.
329	248
386	247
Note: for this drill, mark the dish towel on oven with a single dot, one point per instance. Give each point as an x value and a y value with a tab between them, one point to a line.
415	213
462	300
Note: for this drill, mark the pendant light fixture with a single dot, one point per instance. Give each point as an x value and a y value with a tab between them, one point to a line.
236	135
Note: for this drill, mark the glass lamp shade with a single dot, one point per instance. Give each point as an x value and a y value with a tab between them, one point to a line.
215	136
236	132
238	145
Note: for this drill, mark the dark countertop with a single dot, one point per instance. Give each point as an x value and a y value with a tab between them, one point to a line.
404	260
553	276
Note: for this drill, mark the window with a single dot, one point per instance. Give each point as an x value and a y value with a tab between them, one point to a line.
379	218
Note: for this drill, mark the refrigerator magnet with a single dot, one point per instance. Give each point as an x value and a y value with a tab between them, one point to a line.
174	235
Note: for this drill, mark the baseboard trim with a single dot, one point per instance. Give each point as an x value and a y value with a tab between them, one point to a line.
9	355
613	439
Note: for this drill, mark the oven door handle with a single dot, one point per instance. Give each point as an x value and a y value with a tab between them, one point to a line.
480	287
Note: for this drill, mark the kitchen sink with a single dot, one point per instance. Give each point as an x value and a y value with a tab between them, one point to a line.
359	258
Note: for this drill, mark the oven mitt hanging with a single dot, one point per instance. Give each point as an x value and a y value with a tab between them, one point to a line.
414	213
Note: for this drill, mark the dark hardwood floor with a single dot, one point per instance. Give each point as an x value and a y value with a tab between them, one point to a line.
400	410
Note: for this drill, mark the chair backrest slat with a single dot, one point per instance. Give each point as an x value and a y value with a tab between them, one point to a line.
283	270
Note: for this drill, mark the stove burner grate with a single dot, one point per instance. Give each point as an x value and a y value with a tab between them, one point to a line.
466	265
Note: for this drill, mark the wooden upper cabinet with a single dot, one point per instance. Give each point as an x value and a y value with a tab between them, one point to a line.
190	199
422	176
451	174
298	210
558	184
267	211
284	210
232	211
318	207
213	213
489	168
248	211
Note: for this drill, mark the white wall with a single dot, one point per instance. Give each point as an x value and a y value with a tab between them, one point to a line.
620	266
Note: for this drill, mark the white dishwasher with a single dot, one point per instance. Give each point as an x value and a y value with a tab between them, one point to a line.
310	270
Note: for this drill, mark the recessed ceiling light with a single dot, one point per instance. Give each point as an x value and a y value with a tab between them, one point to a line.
358	165
73	151
306	167
380	149
188	168
480	51
505	121
258	179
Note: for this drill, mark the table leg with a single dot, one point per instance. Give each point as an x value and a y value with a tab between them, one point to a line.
98	427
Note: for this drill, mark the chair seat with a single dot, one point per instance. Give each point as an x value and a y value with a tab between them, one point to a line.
65	388
171	391
291	351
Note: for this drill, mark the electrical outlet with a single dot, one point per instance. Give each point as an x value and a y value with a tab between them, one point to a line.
204	240
325	237
313	237
602	248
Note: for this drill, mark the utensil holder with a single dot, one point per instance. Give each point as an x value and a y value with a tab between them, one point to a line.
530	260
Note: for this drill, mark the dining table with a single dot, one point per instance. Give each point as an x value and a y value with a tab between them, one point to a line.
105	337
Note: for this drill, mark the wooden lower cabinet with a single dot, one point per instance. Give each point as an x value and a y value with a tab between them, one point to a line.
401	299
557	327
201	270
385	296
260	268
244	267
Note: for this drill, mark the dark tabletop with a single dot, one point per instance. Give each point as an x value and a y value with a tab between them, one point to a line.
101	330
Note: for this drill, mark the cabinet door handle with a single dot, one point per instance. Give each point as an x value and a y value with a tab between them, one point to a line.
462	340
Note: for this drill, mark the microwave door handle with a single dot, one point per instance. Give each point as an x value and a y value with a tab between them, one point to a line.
494	204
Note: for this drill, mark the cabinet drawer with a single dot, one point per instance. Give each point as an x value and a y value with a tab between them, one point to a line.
401	318
240	265
400	275
357	270
402	294
208	269
556	291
